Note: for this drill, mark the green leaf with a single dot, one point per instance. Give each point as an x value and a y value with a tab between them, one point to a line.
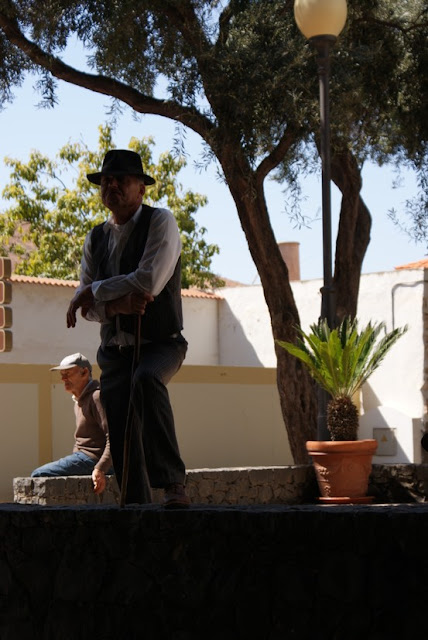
341	360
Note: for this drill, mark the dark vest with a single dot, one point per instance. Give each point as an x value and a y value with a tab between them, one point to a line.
164	316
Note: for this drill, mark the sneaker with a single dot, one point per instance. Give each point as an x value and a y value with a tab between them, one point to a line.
176	497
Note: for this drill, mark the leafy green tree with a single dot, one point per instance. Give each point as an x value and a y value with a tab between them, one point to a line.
48	223
239	74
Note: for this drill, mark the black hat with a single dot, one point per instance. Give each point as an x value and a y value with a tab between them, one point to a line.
121	162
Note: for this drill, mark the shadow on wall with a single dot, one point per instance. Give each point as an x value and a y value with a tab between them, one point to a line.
243	353
398	435
369	399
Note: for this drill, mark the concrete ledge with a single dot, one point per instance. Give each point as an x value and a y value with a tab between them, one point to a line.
271	485
400	483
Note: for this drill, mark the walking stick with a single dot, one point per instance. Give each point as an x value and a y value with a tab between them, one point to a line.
130	415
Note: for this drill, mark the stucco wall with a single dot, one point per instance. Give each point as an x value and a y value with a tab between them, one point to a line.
233	329
397	298
40	334
225	417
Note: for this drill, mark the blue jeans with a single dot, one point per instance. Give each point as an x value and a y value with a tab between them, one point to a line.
76	464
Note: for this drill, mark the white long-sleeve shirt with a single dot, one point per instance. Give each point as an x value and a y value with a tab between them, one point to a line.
155	268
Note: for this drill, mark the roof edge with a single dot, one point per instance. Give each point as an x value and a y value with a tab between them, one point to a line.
55	282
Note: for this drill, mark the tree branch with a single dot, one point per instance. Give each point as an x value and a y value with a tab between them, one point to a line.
183	17
277	155
107	86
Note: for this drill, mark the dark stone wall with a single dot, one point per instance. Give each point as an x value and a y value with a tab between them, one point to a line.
271	572
399	483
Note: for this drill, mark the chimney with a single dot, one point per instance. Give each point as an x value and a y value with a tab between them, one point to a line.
290	255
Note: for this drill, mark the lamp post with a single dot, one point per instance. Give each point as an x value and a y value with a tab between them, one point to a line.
321	21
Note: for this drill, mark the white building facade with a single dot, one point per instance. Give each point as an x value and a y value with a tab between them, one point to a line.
225	398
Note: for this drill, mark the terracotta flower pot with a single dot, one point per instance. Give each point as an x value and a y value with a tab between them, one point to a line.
342	469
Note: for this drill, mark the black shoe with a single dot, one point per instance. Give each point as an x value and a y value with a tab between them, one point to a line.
176	497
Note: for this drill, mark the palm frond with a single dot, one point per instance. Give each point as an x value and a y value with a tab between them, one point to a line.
342	359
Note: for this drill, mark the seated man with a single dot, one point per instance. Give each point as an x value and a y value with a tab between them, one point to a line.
91	451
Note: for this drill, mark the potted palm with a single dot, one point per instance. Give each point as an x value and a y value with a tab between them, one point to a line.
341	360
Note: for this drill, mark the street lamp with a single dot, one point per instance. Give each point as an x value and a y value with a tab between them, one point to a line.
321	21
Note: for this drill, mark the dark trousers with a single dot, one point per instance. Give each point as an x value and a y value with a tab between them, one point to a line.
154	459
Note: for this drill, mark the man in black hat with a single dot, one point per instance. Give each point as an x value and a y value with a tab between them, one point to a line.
131	267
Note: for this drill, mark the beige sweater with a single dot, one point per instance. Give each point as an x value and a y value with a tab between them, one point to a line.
91	435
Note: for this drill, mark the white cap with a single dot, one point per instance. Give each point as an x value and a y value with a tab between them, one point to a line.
75	360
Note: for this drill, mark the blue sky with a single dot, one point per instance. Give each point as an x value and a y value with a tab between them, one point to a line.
24	127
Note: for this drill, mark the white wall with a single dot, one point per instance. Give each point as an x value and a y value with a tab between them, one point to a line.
233	330
200	320
40	334
225	417
397	298
20	434
245	337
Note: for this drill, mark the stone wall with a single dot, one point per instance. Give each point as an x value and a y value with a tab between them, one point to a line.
400	483
272	485
236	564
269	572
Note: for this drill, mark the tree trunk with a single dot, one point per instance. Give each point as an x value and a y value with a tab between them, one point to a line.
353	235
296	388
